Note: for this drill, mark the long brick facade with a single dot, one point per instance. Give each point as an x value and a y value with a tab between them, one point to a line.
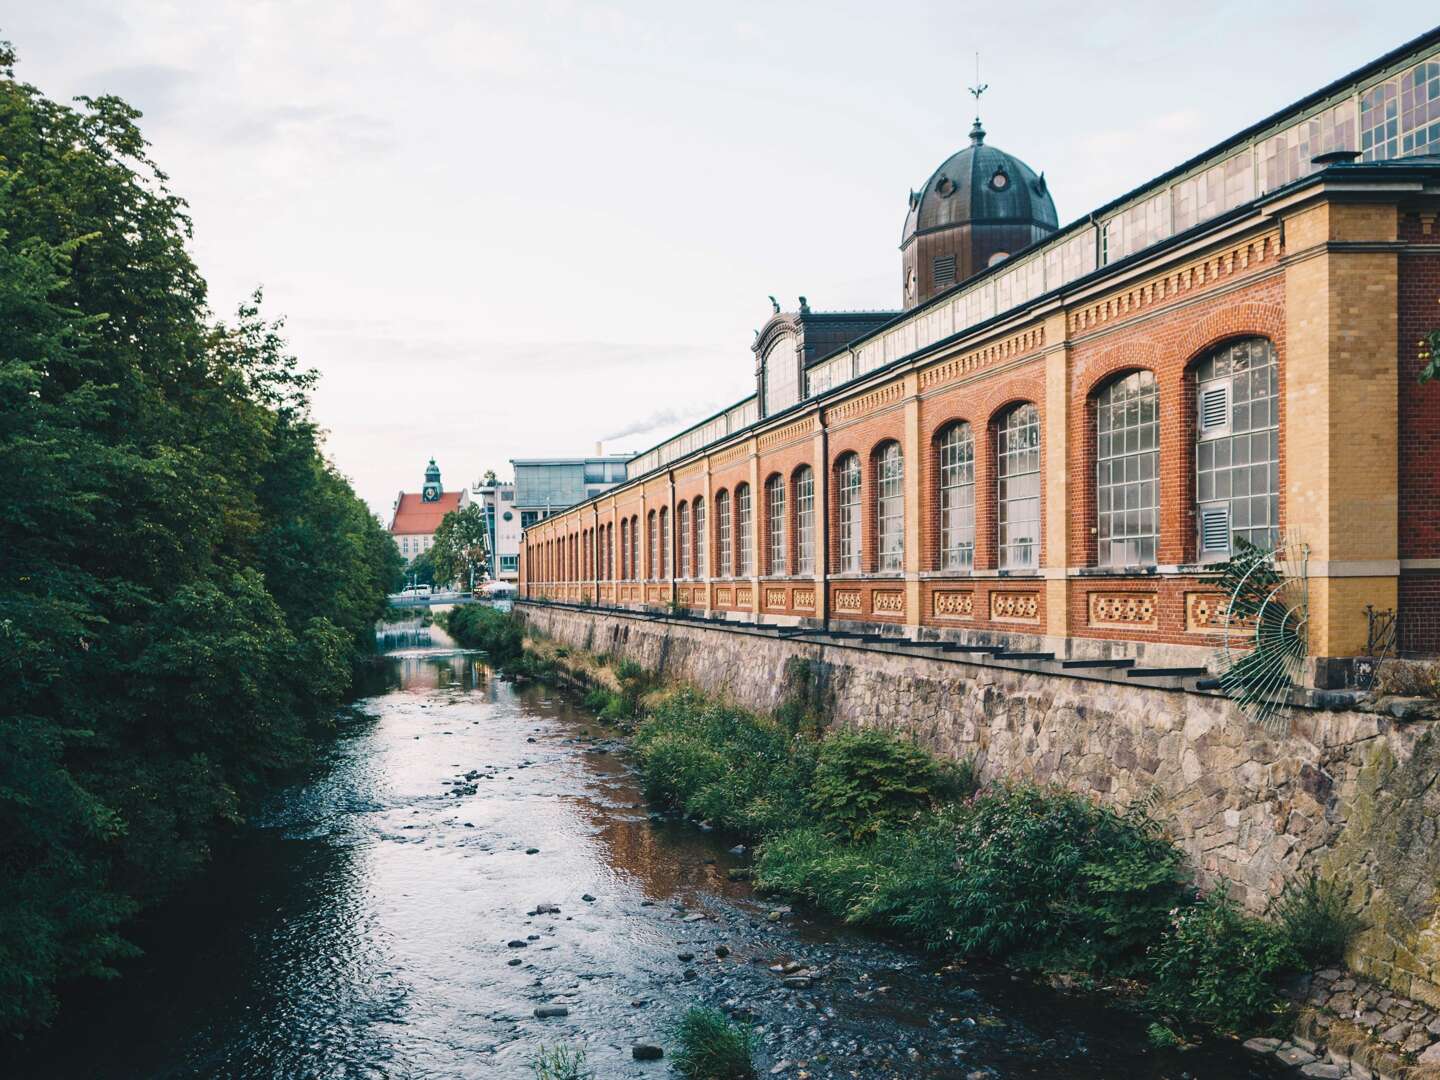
1333	278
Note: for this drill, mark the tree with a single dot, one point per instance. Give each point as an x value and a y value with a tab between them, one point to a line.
185	581
460	551
489	479
420	570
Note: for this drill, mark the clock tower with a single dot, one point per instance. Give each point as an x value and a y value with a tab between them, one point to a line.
431	491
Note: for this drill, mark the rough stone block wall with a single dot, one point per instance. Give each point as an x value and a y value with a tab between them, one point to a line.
1351	794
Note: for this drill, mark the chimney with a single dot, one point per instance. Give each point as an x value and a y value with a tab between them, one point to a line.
599	449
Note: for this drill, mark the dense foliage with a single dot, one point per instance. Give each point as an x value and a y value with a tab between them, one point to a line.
459	554
1041	878
496	633
184	580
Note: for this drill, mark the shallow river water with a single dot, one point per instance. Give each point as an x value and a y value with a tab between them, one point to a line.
364	926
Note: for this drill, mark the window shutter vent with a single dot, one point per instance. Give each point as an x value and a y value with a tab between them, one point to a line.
1215	409
944	270
1215	529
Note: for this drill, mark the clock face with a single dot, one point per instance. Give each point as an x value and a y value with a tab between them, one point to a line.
430	495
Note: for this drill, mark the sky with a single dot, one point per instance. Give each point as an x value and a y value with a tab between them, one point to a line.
508	230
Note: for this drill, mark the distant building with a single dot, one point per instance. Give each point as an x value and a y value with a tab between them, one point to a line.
497	503
545	486
418	514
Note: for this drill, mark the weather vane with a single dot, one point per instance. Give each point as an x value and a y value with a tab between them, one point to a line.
979	87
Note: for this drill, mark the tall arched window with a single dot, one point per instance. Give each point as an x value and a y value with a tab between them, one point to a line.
890	507
635	547
624	550
847	508
652	544
1127	471
744	531
1017	503
1237	449
775	523
957	498
665	542
700	538
682	522
722	532
804	520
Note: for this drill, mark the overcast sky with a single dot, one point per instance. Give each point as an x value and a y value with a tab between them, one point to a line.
508	230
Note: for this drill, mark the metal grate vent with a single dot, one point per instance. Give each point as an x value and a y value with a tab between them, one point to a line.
1215	529
944	270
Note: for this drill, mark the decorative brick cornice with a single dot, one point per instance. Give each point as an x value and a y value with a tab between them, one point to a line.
1257	251
1008	348
865	403
771	439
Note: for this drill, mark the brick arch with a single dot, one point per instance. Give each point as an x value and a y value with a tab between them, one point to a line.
1250	319
1140	355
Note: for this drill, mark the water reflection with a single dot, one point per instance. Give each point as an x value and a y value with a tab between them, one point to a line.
361	927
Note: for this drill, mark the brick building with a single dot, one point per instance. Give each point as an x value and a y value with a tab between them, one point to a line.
1065	430
417	514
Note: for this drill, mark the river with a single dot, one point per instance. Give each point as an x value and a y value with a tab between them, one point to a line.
379	919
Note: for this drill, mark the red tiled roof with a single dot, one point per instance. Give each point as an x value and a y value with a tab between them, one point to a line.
414	515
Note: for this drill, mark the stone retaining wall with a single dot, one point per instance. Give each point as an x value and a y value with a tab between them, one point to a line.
1350	793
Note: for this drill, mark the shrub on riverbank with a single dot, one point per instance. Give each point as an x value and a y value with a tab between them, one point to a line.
1040	878
496	633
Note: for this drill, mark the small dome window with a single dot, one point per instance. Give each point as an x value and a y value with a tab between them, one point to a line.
998	257
946	187
1000	181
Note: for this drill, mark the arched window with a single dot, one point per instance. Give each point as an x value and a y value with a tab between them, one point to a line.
1127	471
890	507
847	507
775	523
624	550
700	538
804	520
744	531
664	542
634	547
957	498
1237	449
722	532
682	522
1017	503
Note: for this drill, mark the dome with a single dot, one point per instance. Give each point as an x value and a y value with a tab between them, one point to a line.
978	208
980	183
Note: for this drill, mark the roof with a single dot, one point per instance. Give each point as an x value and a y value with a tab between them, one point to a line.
414	515
980	183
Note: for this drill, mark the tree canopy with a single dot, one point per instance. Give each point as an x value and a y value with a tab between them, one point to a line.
460	552
185	580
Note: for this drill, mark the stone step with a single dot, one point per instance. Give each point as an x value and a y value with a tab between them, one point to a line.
1024	656
1165	672
1095	664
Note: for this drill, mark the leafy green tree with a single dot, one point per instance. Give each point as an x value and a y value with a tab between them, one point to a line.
460	550
420	570
185	582
489	479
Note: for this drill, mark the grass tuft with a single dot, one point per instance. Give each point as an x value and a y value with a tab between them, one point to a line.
711	1047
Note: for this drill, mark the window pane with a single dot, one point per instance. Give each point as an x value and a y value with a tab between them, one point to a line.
1241	467
957	498
890	508
805	521
847	502
743	530
775	523
1018	487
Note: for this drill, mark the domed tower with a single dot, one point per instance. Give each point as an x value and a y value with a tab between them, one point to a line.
980	206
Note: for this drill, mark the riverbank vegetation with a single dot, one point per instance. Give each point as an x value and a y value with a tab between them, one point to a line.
185	580
711	1047
1039	878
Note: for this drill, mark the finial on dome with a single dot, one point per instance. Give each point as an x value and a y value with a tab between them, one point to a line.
977	133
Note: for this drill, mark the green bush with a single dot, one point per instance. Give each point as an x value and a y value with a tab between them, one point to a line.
867	781
712	1048
723	765
496	633
1219	968
1317	918
1043	878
